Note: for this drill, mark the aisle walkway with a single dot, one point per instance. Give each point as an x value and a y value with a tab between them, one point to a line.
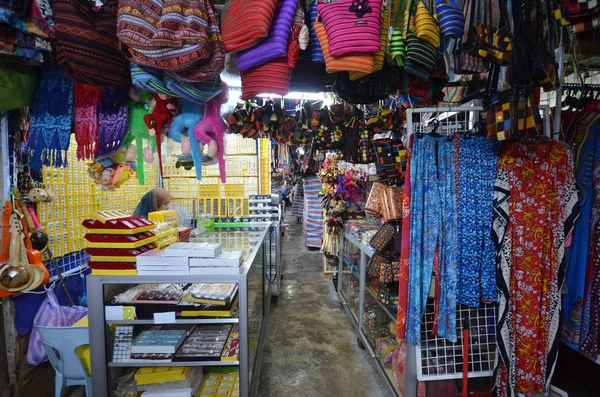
311	348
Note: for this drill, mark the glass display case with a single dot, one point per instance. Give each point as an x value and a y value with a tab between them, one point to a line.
246	316
350	276
379	324
369	305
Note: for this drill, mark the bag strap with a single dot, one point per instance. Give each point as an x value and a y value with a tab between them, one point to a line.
400	10
551	27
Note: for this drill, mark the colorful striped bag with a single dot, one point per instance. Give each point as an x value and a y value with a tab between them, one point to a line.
87	45
276	44
244	23
352	26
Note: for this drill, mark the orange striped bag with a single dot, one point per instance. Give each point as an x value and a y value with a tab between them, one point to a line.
384	41
363	63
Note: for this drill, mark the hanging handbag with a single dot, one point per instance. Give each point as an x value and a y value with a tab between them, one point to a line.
369	89
271	77
384	237
257	17
193	58
397	49
352	26
544	69
363	63
420	57
494	44
450	18
317	53
379	57
384	158
17	85
426	27
500	110
276	44
464	62
86	43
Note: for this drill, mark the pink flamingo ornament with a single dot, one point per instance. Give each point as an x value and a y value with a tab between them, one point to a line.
210	130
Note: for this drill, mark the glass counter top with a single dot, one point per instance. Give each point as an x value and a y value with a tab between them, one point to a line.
246	239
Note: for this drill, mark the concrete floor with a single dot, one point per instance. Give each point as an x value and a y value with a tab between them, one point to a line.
311	348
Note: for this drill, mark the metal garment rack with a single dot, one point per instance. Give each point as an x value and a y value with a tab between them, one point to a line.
437	358
451	121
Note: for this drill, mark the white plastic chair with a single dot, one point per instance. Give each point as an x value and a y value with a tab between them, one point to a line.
60	344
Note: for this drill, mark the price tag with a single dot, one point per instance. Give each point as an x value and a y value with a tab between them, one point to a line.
113	313
164	318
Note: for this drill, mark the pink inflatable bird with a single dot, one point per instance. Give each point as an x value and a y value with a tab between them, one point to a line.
210	130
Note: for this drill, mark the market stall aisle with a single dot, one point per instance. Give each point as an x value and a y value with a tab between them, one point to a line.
311	348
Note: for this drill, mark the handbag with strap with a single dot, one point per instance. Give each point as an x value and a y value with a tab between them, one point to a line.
421	56
352	26
494	44
464	62
194	53
450	18
276	44
368	89
363	63
426	26
244	23
271	77
86	43
317	53
544	69
379	57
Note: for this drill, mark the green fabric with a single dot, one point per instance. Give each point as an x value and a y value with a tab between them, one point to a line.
17	84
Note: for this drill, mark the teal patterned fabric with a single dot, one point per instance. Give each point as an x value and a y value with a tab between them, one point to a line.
51	119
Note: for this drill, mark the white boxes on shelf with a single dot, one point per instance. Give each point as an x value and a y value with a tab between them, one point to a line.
156	262
193	250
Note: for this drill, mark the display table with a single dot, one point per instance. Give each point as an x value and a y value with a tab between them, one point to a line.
251	315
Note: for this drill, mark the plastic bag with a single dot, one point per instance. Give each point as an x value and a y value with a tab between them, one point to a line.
50	314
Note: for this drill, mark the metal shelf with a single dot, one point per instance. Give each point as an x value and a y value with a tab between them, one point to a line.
179	321
152	363
385	309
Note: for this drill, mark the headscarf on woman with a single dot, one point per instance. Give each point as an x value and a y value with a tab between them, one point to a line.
152	201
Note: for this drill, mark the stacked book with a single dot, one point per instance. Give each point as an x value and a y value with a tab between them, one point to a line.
156	262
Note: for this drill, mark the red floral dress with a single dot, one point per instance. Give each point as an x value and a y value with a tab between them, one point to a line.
534	210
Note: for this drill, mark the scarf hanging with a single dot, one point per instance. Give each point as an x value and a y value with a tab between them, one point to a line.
51	118
86	102
112	120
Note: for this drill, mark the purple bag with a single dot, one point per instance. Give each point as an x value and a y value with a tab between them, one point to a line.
276	44
50	314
